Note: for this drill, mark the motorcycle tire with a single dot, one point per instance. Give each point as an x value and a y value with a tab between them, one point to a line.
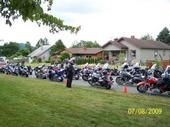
26	75
108	87
61	80
85	77
90	82
119	81
142	89
77	77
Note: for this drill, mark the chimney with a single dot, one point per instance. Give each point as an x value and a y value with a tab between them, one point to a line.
132	37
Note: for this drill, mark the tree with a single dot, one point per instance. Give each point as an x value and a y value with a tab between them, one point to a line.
87	44
42	42
32	10
10	49
57	46
28	46
23	52
64	55
1	50
164	36
45	41
147	37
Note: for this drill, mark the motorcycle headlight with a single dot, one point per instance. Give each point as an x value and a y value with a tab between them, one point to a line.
143	76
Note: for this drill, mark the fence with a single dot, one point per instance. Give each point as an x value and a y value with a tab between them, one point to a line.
162	63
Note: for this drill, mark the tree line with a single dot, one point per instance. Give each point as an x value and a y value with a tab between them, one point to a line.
14	49
163	36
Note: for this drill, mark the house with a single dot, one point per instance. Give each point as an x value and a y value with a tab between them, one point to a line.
42	53
112	49
138	50
85	52
81	52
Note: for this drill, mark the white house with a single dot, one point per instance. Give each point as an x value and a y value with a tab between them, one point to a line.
42	53
137	49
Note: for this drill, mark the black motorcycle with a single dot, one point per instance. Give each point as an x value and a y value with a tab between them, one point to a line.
129	79
85	74
101	80
76	73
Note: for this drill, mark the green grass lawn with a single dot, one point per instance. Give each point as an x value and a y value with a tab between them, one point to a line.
37	64
39	103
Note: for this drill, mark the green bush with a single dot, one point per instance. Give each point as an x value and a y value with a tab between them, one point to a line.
64	55
157	62
121	57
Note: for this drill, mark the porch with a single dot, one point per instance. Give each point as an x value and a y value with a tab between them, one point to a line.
112	55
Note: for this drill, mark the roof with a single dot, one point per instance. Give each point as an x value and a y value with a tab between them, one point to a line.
58	52
40	51
145	44
115	43
84	50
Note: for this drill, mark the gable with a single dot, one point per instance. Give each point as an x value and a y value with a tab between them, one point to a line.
129	45
110	47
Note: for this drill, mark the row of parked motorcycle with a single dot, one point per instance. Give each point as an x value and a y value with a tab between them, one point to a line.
97	76
148	79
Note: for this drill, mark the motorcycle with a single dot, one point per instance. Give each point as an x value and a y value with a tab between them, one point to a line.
41	72
101	80
86	73
129	79
154	81
77	74
149	82
56	75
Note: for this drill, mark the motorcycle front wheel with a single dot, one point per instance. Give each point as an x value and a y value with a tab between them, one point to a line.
85	77
119	81
77	77
142	88
108	87
90	82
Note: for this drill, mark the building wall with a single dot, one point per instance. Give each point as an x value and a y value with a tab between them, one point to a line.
131	47
110	47
99	55
45	56
148	54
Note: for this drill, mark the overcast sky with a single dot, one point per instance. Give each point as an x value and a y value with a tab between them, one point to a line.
100	20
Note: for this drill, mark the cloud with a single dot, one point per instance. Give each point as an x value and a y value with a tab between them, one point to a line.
100	20
74	6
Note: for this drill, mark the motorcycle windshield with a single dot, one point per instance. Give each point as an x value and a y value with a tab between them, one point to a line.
105	66
154	67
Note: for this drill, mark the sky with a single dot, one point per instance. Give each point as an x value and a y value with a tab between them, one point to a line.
100	20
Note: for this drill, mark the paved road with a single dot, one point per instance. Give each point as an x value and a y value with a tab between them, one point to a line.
114	87
130	89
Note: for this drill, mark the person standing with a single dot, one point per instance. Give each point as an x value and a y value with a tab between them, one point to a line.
70	72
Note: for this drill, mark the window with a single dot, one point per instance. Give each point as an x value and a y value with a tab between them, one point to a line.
133	53
164	52
155	53
114	54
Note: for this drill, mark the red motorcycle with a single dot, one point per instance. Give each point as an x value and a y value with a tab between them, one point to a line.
149	82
